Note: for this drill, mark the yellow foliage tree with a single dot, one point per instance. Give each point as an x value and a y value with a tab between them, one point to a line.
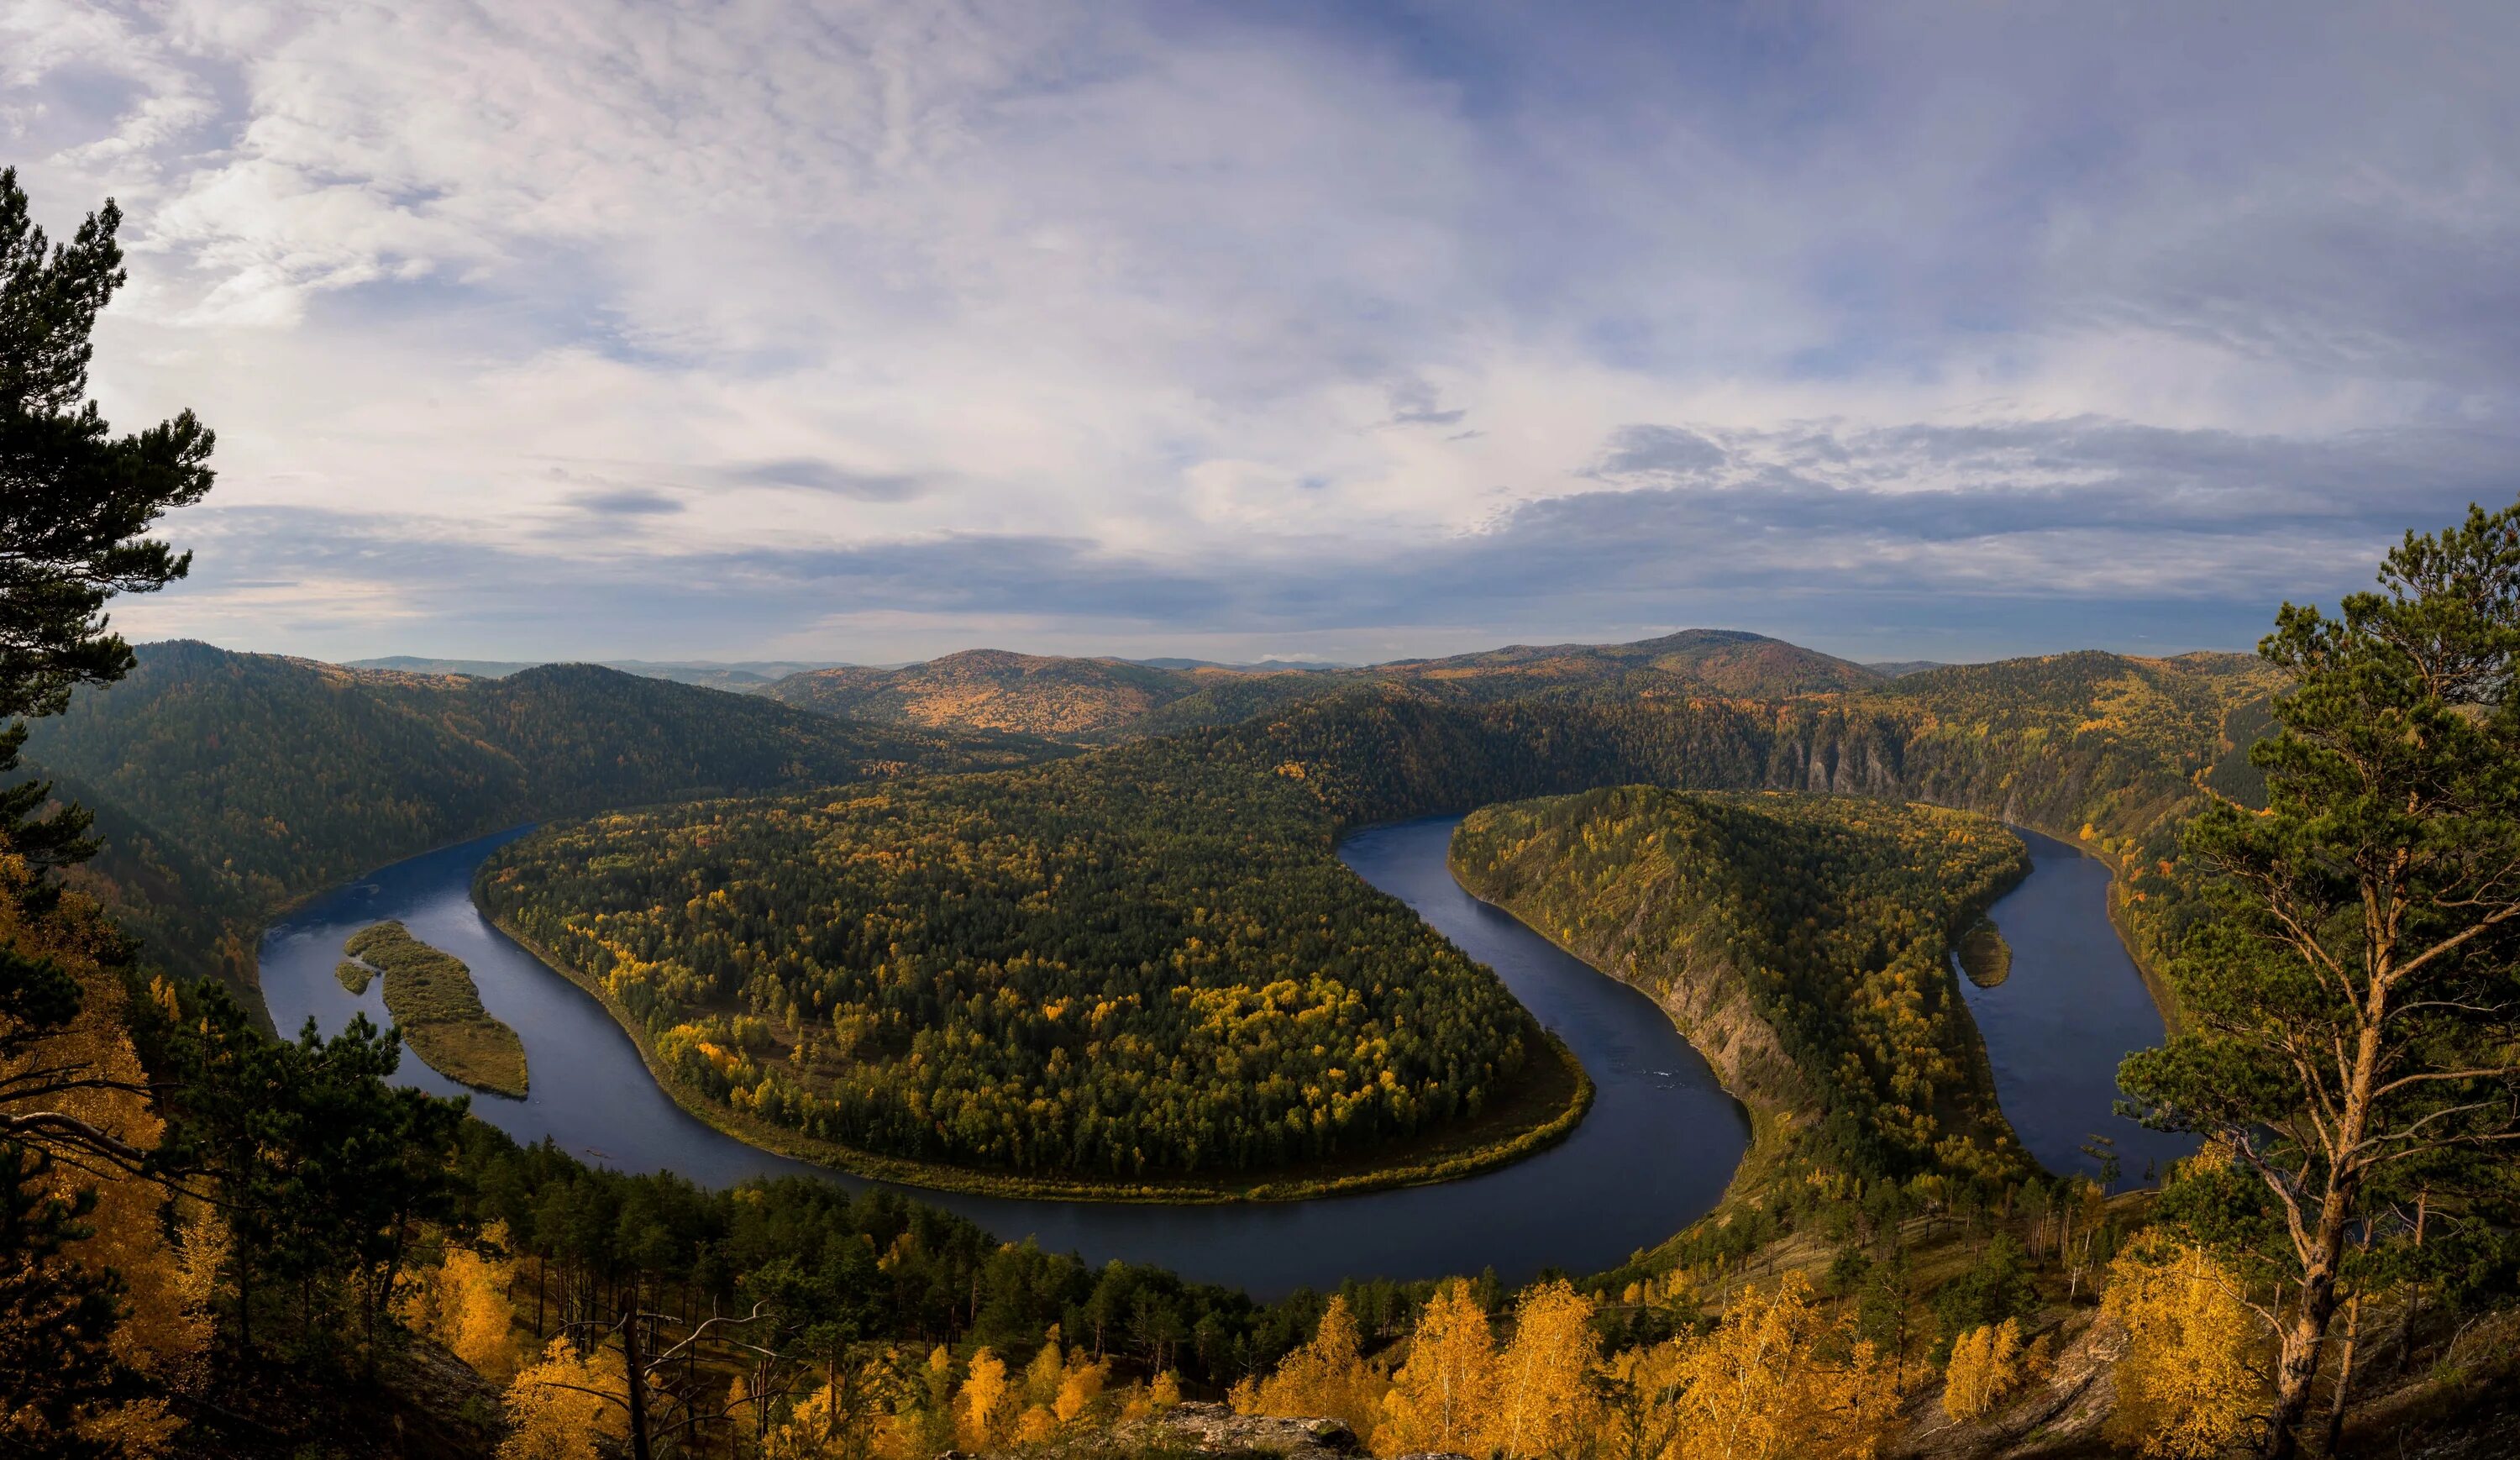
1080	1389
2186	1386
89	1073
923	1423
1544	1381
1327	1377
1441	1397
463	1304
1043	1376
1764	1384
1986	1365
984	1400
552	1415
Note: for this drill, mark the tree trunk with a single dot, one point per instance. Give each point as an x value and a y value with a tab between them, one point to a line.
2297	1361
2344	1375
637	1384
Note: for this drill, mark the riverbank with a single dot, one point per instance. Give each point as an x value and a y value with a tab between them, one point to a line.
1544	1111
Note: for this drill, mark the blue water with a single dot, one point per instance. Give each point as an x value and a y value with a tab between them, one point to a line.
1654	1154
2074	1006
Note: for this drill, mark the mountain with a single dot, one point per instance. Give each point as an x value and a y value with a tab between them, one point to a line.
991	689
1720	661
743	674
1893	668
1091	701
1255	666
231	783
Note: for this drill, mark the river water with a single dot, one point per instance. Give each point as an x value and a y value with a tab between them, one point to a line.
1654	1154
2074	1006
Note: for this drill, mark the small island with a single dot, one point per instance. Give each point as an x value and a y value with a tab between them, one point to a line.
354	976
1985	956
430	995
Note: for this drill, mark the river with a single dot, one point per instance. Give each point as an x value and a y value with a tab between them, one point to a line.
2074	1006
1654	1154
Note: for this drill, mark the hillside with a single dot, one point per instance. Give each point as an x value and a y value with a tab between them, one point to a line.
230	783
991	689
1136	966
740	676
1802	942
1709	660
1103	700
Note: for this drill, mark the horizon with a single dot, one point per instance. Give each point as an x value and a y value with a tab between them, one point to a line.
1264	663
1347	334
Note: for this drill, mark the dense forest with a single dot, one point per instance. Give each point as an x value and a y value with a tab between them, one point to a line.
926	971
1133	965
1832	917
235	782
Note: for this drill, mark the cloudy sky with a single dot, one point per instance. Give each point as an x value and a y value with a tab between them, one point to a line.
869	332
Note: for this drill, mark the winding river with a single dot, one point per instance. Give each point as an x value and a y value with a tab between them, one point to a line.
1655	1153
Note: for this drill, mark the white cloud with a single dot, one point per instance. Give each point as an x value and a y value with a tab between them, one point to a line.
1212	292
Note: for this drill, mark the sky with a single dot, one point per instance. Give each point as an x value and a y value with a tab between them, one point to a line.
582	329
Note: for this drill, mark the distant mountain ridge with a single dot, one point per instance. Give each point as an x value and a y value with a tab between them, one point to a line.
739	675
1095	699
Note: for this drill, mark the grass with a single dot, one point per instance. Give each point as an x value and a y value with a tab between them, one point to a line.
430	995
1985	956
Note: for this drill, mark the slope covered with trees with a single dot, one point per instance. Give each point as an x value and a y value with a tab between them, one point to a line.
1135	965
1095	701
1802	941
240	781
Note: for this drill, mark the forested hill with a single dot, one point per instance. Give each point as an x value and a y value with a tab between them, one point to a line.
1123	968
990	689
1102	699
228	783
1801	941
905	971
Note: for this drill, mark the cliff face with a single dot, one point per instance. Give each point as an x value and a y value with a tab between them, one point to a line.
1801	944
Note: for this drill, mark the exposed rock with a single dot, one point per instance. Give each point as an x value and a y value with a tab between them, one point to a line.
2057	1417
1214	1430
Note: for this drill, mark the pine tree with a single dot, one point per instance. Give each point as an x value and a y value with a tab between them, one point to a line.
75	501
2350	1012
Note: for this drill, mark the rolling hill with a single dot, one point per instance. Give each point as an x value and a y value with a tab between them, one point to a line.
1091	701
228	784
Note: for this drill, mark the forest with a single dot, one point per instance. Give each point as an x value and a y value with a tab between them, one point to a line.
1836	916
927	970
1121	966
231	783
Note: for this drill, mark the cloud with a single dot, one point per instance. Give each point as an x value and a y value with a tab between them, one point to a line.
627	502
805	474
1654	451
1071	320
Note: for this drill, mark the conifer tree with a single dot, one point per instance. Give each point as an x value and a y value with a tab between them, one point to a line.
75	502
2352	1014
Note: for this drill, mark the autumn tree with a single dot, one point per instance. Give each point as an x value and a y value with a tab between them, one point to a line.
75	502
2352	1010
1443	1395
558	1407
1544	1378
1777	1378
1986	1366
2186	1387
1326	1377
981	1403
